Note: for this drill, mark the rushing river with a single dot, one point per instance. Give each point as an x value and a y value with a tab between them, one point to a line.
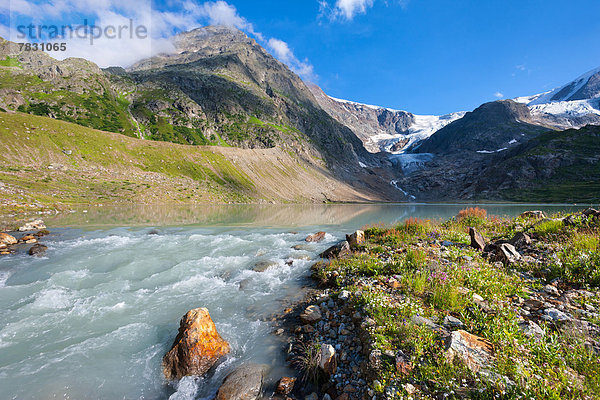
93	318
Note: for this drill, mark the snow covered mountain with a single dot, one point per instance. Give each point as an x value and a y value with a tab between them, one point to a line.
573	105
381	128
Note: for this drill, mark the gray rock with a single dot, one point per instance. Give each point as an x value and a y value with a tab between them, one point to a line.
244	383
533	214
451	322
262	266
532	330
327	360
477	239
33	226
520	240
476	352
551	290
311	315
339	250
552	314
508	254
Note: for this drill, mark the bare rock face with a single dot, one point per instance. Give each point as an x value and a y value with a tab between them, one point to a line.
197	347
244	383
317	237
477	239
475	351
7	239
356	239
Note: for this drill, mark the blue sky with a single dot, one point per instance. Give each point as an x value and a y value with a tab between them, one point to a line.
423	56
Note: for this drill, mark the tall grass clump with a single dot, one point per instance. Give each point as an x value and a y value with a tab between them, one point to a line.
472	216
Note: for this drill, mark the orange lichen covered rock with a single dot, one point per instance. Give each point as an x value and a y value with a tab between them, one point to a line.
197	347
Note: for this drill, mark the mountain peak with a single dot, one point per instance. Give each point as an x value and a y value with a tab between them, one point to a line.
584	87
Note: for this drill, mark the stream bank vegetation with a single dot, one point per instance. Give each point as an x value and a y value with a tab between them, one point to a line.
478	306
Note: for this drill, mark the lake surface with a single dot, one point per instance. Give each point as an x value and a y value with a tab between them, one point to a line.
94	317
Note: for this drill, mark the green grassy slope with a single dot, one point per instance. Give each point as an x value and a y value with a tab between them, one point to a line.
46	162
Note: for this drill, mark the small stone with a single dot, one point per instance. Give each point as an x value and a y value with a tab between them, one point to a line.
244	383
311	315
403	364
475	351
520	240
312	396
410	389
344	295
551	290
262	266
532	330
341	249
285	385
533	214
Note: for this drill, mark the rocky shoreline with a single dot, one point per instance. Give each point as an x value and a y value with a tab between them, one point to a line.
28	235
480	333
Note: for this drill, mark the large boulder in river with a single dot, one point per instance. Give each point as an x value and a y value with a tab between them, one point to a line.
317	237
197	347
38	250
7	239
244	383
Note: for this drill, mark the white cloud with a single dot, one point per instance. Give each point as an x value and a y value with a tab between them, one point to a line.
281	50
498	95
349	8
161	26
